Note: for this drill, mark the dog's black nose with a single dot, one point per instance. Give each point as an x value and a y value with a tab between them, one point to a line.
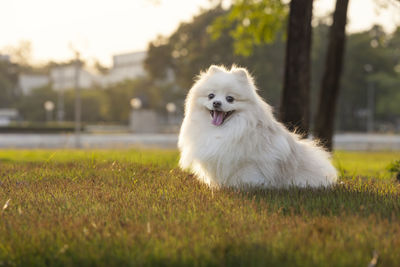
217	104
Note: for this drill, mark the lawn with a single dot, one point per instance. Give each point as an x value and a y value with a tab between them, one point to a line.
136	208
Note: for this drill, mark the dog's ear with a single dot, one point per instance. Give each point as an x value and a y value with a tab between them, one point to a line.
214	69
241	73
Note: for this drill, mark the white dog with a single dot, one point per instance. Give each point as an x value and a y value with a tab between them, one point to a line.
229	138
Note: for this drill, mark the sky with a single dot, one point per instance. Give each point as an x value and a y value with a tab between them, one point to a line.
102	28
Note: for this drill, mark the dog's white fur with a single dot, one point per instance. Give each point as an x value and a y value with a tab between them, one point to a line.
250	148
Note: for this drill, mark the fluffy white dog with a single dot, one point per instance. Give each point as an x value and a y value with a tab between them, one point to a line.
229	138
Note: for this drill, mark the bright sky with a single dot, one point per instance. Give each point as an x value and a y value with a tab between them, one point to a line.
101	28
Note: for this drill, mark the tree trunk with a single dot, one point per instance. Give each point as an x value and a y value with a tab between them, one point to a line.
329	92
295	105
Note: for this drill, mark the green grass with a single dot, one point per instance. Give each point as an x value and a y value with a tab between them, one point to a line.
372	164
136	208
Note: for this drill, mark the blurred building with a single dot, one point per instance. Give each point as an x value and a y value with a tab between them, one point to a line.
29	82
61	77
4	57
64	77
126	66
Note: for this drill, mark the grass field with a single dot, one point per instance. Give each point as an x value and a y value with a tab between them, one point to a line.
136	208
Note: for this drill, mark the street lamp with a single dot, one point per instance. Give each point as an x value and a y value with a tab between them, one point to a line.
136	103
171	108
49	107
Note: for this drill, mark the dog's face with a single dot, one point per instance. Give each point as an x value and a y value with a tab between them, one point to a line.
223	94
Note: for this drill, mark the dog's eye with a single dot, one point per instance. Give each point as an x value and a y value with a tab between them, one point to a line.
211	96
230	99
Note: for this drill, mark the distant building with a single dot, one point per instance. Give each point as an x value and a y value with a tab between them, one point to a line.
7	115
4	58
29	82
64	77
127	66
61	77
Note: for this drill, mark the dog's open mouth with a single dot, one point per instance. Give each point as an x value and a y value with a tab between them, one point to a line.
218	116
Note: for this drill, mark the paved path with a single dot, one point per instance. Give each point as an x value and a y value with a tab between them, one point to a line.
87	140
367	142
362	142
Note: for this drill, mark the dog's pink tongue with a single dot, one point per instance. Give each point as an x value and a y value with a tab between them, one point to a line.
218	118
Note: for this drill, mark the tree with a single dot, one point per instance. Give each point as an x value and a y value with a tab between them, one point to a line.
189	50
8	83
387	81
387	106
31	106
21	54
95	106
159	58
193	47
361	50
251	23
325	118
295	107
119	95
100	68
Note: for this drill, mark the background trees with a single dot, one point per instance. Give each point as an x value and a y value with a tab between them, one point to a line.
329	91
295	107
194	46
8	83
210	39
265	60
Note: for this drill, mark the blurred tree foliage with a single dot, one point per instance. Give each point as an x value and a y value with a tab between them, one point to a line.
8	83
21	53
109	105
379	53
251	23
31	107
95	106
191	48
324	126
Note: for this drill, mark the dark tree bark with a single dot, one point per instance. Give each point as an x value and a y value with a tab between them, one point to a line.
329	92
295	105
